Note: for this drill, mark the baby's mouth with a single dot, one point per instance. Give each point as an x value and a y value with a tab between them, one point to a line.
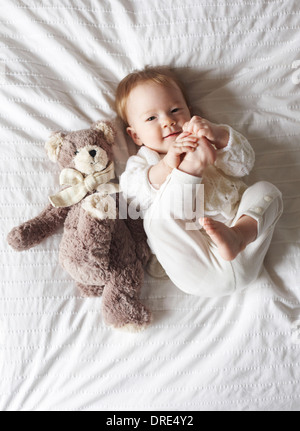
172	135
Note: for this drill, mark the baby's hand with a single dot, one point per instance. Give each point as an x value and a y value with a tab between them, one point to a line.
200	127
186	144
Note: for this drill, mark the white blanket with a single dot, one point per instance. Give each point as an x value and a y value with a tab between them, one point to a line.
60	62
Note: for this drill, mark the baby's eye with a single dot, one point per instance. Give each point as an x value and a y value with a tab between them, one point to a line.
175	110
151	118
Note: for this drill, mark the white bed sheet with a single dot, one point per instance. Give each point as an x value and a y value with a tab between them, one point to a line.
60	62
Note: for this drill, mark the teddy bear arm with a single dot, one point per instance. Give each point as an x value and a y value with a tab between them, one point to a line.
33	232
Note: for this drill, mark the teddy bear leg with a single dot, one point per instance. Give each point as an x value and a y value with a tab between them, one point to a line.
123	312
121	305
88	291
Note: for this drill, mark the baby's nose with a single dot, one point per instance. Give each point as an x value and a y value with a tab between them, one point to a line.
168	121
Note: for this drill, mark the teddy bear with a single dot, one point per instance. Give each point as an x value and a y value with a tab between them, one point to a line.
104	253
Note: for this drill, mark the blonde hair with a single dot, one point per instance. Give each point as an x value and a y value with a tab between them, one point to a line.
160	75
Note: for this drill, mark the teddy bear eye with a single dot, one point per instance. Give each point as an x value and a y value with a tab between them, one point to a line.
76	152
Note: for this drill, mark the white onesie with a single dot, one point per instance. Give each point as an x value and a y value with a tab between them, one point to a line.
189	257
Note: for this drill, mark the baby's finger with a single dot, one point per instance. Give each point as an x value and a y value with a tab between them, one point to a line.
193	140
182	135
186	143
184	149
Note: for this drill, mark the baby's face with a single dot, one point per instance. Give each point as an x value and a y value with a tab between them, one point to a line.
156	115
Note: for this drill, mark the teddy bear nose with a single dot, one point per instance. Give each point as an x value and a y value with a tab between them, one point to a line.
93	153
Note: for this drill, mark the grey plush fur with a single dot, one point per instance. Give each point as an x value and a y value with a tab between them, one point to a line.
103	256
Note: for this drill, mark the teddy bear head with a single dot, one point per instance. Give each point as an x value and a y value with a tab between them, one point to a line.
88	151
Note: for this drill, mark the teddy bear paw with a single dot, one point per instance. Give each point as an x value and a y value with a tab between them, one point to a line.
100	206
133	328
20	239
134	317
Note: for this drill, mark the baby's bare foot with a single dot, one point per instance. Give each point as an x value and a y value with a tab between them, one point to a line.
195	162
229	241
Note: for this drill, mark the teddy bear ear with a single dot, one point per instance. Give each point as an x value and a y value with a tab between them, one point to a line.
107	129
53	146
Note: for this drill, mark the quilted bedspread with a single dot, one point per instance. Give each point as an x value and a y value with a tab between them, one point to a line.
60	63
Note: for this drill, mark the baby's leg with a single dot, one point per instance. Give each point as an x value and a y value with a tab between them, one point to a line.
189	257
263	203
255	210
231	240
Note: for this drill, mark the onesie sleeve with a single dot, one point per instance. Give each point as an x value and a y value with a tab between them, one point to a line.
237	159
135	185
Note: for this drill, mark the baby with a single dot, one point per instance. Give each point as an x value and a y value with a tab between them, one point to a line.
178	149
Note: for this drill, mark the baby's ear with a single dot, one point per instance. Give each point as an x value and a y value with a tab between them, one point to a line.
132	133
107	129
53	146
